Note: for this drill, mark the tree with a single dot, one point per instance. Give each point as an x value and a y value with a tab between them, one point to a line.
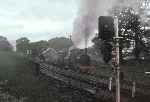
22	45
4	44
38	47
60	43
19	75
130	29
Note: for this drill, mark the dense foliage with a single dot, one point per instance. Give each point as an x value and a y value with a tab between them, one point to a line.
38	47
21	77
22	45
5	45
60	43
130	28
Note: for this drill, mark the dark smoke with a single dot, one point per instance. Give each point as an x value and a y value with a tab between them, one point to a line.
85	24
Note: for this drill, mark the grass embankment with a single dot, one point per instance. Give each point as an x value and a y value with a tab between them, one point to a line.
11	63
22	81
133	70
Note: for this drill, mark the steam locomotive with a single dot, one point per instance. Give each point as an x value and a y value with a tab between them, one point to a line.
78	60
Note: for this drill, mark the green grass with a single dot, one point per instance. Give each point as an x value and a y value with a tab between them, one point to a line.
19	71
22	82
11	63
132	71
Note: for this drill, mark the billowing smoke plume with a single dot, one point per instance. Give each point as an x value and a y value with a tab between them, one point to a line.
85	24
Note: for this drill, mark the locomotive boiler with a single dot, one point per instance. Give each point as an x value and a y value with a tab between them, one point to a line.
78	60
81	61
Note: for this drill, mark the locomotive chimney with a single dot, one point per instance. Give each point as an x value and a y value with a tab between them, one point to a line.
86	50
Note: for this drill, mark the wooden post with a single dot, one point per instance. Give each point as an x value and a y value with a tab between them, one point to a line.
117	38
110	84
133	89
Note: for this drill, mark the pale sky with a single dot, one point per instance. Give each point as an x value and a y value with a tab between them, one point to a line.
36	19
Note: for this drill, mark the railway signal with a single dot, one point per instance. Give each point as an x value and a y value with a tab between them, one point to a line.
106	28
108	33
106	50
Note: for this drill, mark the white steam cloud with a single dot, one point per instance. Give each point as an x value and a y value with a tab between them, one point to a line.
85	24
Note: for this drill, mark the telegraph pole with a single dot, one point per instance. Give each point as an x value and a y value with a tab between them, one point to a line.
117	67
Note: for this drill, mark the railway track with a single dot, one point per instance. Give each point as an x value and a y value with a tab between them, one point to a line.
97	86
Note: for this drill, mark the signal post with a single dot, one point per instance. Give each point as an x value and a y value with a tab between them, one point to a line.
108	33
117	61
